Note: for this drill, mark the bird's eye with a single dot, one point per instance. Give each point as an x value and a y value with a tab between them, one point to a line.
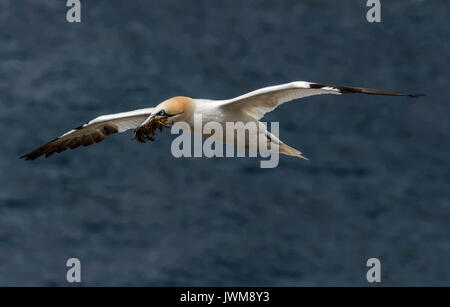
162	113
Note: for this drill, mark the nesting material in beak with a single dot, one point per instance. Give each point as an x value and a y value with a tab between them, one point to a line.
147	132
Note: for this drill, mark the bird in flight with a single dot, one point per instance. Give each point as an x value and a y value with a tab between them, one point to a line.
250	107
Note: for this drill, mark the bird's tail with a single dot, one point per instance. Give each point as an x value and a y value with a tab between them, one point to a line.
290	151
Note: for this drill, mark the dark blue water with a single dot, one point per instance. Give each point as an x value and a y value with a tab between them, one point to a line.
377	183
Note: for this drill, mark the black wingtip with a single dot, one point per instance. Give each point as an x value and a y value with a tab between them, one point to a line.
418	96
26	157
32	155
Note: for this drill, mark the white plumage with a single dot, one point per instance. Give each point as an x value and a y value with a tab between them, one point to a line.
249	107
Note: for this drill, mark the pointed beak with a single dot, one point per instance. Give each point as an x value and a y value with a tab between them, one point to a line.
148	119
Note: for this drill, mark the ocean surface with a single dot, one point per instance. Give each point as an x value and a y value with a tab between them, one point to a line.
377	183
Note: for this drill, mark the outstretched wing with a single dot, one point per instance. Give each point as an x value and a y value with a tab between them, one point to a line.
259	102
92	132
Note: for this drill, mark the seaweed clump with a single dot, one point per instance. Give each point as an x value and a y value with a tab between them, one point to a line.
148	131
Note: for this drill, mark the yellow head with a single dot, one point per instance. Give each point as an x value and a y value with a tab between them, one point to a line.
175	108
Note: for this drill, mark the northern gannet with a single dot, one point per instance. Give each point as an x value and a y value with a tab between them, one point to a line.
249	107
